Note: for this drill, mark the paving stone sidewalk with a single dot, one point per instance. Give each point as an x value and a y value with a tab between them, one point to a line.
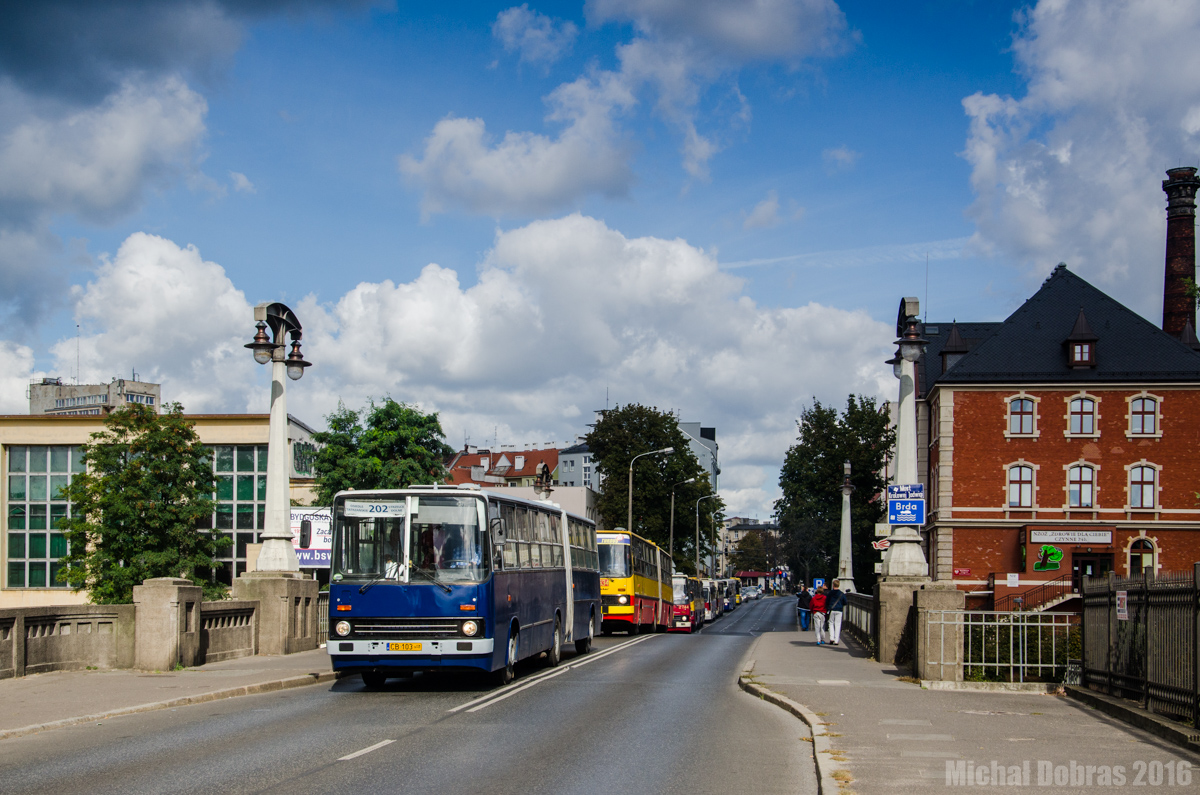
43	701
891	736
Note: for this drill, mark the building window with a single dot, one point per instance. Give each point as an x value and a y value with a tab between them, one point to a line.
1082	416
1080	486
36	476
1142	482
1143	416
1020	416
1020	486
1082	353
1141	556
241	496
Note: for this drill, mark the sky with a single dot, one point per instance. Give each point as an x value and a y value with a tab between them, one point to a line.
515	215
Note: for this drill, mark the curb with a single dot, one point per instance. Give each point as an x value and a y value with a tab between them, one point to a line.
1050	688
1136	716
821	745
183	701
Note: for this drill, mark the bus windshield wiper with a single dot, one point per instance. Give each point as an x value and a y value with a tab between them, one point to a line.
366	586
433	578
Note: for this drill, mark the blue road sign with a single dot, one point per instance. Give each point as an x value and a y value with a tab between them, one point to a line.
909	491
906	512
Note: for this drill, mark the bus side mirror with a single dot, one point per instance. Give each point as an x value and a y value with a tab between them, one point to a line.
305	533
498	534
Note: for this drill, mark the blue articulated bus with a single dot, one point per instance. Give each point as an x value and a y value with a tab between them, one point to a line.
440	577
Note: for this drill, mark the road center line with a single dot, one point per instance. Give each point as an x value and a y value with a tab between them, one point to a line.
366	750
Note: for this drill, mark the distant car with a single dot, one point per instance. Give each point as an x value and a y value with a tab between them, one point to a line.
751	592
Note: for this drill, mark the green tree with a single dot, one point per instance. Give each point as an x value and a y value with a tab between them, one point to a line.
387	445
810	509
750	554
628	431
136	510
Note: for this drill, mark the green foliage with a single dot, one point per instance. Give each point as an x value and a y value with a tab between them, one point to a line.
628	431
136	510
750	554
397	446
810	510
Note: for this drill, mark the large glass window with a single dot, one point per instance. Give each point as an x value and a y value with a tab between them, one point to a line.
1080	481
1141	487
241	494
447	540
616	560
36	477
1020	416
1020	487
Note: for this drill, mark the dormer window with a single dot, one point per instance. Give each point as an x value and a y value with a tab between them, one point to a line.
1081	344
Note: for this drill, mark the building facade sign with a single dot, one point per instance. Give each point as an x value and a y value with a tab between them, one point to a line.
1097	537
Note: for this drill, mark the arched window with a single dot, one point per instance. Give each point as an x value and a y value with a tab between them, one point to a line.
1083	415
1020	416
1080	482
1020	486
1143	416
1142	480
1141	556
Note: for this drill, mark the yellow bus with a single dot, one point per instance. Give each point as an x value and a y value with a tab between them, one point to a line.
635	583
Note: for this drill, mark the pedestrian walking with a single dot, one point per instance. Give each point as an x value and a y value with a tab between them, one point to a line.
818	614
835	603
804	608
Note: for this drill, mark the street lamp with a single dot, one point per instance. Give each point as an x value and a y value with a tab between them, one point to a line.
278	553
671	548
702	499
904	558
629	518
846	551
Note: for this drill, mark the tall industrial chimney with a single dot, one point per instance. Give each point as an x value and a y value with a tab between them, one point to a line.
1178	309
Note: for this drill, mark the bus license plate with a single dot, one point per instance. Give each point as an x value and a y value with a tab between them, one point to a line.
404	647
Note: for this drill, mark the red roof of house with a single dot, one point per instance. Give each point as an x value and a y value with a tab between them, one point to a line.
501	464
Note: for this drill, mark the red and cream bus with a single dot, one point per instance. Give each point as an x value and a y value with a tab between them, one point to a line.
687	612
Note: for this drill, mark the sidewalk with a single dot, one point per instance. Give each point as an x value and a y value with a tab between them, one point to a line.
45	701
887	735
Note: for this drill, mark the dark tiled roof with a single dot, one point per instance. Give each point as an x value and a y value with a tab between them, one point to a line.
1030	345
972	334
575	448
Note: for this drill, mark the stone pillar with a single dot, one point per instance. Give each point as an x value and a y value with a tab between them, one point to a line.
167	618
941	641
287	609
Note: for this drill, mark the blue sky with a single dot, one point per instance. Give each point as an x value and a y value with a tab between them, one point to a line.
507	212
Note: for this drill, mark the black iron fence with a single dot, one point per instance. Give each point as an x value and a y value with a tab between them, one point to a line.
1140	637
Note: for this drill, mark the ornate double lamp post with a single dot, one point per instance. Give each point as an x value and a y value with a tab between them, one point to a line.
629	517
278	553
904	557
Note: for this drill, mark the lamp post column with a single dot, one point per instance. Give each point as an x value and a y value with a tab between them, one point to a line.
846	551
905	558
629	514
702	499
278	553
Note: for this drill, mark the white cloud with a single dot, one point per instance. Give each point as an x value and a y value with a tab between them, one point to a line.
679	51
765	214
1071	171
175	318
524	172
534	35
16	371
241	182
840	158
560	312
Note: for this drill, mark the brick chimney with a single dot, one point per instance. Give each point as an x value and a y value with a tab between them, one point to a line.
1178	309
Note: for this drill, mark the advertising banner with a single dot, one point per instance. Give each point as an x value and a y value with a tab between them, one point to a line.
319	552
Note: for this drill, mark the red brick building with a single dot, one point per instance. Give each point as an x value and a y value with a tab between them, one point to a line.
1062	442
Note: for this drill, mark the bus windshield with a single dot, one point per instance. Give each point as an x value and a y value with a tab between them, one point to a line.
680	592
366	548
615	560
445	539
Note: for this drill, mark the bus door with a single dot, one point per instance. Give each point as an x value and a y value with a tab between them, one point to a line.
565	538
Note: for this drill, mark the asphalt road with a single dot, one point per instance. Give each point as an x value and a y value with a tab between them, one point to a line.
651	713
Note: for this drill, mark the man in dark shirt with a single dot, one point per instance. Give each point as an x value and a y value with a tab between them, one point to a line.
835	603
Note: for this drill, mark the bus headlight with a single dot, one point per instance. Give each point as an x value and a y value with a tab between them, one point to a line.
622	600
342	628
469	628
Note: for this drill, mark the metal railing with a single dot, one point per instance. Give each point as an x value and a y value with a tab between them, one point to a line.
999	646
322	617
859	617
1034	598
1140	640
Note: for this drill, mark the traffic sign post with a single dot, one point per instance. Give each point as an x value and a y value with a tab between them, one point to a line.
906	504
